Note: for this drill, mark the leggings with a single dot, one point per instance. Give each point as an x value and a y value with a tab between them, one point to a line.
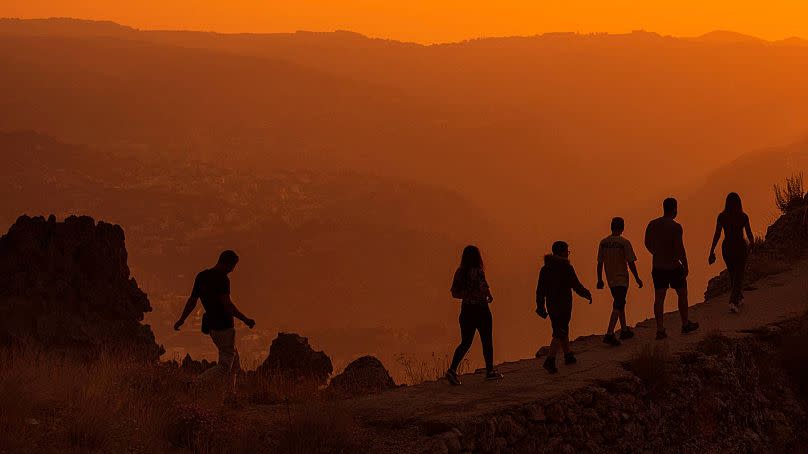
473	318
734	254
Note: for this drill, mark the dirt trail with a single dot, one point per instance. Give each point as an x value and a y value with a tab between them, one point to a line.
777	298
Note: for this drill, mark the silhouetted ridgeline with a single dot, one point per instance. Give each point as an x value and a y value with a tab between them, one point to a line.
66	285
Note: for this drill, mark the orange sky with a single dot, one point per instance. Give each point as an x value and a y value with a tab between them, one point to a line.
437	20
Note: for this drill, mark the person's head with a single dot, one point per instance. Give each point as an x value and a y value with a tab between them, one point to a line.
671	207
618	225
227	261
561	249
471	258
733	204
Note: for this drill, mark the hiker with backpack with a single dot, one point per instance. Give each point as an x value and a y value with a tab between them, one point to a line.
557	281
469	286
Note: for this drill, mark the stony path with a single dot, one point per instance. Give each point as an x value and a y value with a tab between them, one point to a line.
777	298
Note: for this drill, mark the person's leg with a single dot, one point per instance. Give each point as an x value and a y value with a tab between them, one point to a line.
683	306
622	317
565	345
486	337
612	322
225	341
659	308
467	328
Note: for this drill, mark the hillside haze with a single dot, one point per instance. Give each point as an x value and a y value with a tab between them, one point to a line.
350	171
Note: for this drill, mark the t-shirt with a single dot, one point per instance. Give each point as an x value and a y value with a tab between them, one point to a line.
616	253
663	239
209	286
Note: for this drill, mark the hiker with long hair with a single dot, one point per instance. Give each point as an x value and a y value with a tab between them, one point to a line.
734	249
470	286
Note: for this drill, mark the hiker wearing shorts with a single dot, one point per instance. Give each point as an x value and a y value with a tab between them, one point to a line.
616	256
557	281
734	249
212	287
470	286
664	240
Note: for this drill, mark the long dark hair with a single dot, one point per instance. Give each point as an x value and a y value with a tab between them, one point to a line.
733	204
471	259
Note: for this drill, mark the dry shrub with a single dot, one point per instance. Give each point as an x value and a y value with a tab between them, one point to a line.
651	363
320	427
790	196
794	357
715	343
420	371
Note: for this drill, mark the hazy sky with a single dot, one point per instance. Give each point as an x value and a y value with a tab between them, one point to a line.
437	20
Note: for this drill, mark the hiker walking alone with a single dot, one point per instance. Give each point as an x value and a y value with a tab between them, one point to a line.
212	286
616	256
664	240
734	249
470	286
557	281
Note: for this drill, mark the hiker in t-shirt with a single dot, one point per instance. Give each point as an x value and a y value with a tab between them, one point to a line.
734	249
557	281
616	256
470	286
663	239
212	287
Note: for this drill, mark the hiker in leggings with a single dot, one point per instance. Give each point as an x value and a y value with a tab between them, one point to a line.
734	249
470	286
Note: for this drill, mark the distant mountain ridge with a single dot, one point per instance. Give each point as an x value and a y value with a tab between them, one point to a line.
86	27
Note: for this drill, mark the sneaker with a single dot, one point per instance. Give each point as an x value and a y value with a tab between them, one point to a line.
661	335
626	333
689	327
611	339
453	378
569	358
550	365
493	374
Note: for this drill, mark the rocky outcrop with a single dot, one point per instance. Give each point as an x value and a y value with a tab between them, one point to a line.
66	285
365	375
786	242
291	358
727	396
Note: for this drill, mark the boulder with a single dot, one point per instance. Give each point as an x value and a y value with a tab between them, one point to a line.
365	375
291	358
66	285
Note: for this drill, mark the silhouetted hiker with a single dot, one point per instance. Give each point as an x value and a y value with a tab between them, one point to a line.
663	239
557	280
734	249
212	286
616	255
469	285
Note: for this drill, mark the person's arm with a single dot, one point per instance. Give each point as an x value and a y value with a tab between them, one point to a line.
231	309
579	288
749	234
484	288
632	265
648	240
680	244
716	237
541	295
190	305
600	284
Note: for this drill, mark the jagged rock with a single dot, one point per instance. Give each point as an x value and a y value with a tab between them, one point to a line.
292	358
365	375
66	285
194	366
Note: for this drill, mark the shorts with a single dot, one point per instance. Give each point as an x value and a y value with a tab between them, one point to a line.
664	279
619	294
560	321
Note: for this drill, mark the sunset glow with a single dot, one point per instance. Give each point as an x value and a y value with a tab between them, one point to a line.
437	21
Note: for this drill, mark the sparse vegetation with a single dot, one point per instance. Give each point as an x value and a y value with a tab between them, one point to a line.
435	368
651	363
791	195
53	402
